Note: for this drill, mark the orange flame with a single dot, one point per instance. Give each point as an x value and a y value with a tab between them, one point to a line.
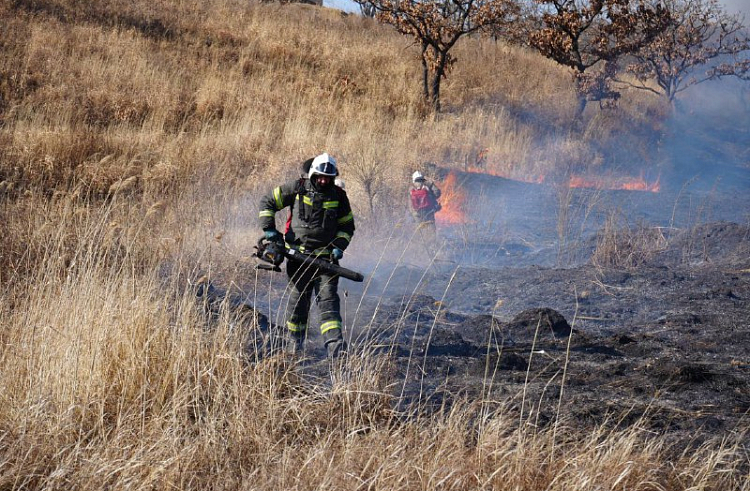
630	184
576	181
452	200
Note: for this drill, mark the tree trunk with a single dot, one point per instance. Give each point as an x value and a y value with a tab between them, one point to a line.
671	92
581	106
435	100
581	96
437	78
370	196
425	74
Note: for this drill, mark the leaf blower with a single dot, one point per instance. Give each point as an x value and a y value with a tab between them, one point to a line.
274	253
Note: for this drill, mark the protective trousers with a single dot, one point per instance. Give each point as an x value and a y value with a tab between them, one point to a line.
303	281
428	232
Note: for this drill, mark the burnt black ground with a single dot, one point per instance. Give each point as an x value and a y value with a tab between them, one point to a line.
513	301
664	335
672	343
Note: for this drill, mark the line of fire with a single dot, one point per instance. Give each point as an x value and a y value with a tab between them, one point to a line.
454	193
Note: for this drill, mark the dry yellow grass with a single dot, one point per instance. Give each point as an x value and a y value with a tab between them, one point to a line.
245	90
110	382
134	136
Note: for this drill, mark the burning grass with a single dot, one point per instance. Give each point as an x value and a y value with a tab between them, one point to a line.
572	180
239	89
453	201
628	184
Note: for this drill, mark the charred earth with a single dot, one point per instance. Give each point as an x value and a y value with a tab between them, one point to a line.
572	305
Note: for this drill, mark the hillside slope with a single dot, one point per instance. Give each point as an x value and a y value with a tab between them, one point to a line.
247	86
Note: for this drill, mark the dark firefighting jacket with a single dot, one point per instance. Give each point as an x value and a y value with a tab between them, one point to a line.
320	220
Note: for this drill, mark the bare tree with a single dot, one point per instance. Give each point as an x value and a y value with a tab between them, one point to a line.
701	42
367	10
366	170
591	36
436	26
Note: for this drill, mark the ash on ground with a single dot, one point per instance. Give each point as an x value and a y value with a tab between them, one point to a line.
637	311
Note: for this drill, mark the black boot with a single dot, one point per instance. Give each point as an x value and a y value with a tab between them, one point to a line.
294	343
335	349
335	345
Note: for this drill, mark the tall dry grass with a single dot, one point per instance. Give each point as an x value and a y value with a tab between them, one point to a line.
134	138
108	381
162	90
112	377
622	245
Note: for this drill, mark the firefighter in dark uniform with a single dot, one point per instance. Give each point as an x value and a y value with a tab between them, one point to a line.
322	225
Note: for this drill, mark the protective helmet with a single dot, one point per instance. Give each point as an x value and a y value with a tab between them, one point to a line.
306	166
323	165
417	176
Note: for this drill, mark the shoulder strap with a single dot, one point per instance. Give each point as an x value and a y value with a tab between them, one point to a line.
300	191
299	188
340	193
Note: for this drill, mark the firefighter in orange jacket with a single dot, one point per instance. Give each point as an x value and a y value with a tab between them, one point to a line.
322	225
423	201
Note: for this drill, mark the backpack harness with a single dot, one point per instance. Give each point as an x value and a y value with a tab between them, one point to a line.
423	200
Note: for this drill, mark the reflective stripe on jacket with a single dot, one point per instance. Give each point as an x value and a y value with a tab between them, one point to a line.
319	219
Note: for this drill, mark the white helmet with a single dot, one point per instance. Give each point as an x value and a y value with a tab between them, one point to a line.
340	183
417	176
323	165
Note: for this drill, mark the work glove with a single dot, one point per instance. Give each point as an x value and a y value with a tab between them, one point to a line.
273	236
337	253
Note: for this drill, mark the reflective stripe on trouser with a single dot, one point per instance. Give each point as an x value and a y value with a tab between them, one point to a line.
329	325
296	327
303	282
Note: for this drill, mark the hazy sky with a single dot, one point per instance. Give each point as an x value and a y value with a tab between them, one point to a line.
742	6
733	6
347	5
